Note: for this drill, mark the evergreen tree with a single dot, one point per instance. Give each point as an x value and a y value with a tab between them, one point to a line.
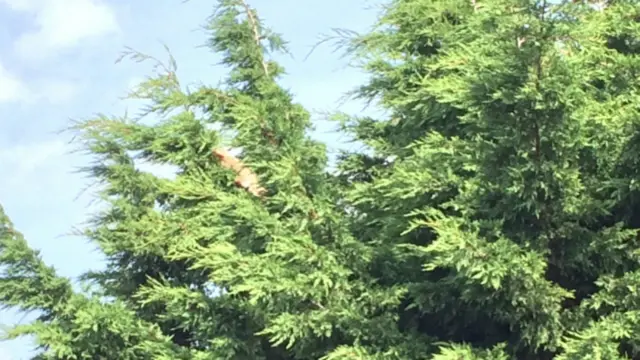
490	217
200	267
501	190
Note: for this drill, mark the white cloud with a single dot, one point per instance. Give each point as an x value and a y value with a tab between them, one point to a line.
134	83
39	174
56	91
62	24
11	87
53	91
5	355
21	161
19	5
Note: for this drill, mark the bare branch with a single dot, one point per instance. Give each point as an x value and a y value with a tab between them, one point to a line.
256	32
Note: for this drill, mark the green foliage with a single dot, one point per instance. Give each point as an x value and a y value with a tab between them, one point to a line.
512	186
491	215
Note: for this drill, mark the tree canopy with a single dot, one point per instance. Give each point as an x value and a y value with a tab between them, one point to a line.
490	214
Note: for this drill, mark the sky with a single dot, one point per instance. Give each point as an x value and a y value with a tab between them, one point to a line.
57	63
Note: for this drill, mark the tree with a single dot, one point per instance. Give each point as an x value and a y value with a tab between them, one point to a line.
491	216
198	268
504	173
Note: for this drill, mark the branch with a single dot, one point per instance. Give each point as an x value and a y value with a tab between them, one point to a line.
245	177
256	32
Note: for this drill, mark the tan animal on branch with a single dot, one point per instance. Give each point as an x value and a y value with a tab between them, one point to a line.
245	177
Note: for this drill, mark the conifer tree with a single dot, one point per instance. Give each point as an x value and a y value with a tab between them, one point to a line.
490	217
500	191
211	264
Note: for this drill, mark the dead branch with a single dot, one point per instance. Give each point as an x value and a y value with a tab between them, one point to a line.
245	177
256	32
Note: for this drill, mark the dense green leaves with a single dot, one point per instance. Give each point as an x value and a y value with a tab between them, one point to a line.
491	215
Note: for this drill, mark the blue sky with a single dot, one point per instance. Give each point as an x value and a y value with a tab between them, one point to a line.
57	62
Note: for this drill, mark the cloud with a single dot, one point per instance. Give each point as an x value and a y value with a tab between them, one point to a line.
56	91
62	24
12	89
23	160
40	173
5	355
53	91
134	83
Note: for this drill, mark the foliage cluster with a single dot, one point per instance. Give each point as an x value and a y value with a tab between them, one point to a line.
491	215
